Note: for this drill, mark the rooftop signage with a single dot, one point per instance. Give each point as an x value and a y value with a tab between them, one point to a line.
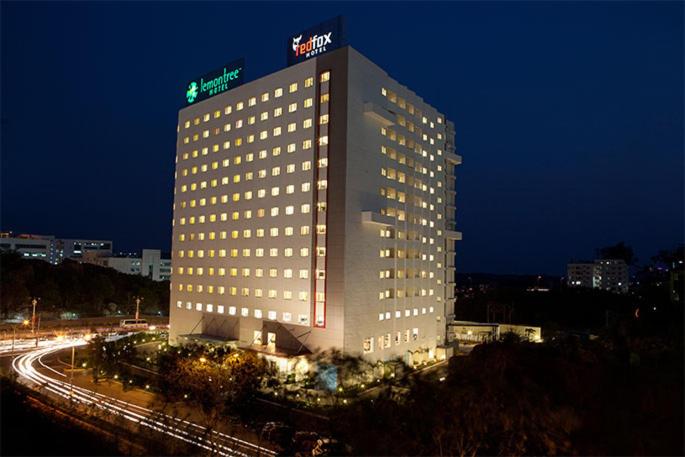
215	82
321	38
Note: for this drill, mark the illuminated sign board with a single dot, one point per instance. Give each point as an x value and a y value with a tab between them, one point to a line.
317	40
215	82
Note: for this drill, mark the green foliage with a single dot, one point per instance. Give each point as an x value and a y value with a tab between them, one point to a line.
220	381
72	286
351	370
515	398
106	358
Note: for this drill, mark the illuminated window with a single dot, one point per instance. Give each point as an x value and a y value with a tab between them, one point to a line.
325	76
292	88
308	102
278	92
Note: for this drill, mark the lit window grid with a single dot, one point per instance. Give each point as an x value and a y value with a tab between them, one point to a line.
392	307
215	282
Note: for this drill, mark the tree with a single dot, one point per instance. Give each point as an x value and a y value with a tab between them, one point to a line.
220	382
619	251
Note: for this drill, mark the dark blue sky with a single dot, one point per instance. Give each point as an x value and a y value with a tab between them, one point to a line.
569	116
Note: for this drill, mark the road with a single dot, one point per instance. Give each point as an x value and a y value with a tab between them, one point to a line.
34	372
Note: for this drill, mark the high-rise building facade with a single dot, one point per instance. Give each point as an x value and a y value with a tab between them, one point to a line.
314	208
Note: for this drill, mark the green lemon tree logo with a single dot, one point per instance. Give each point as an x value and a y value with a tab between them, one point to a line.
191	93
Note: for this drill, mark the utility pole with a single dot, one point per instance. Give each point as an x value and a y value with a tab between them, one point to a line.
38	331
71	378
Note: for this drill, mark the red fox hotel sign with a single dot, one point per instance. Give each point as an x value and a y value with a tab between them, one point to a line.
316	40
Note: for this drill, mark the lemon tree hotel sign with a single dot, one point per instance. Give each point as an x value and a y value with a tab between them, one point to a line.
215	82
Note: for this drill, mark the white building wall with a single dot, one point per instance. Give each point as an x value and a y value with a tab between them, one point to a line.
363	240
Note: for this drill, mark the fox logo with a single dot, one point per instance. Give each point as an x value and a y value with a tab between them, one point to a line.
296	42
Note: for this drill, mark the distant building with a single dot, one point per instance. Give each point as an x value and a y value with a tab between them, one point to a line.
51	249
149	263
676	277
604	274
75	249
581	274
41	247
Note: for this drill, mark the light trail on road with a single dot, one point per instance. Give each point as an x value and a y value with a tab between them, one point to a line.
221	443
21	345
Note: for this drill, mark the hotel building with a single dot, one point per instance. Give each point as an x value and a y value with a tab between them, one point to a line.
314	208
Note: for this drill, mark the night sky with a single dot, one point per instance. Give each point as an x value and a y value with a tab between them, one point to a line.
569	116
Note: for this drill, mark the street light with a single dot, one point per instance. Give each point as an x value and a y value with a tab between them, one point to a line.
138	300
34	302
